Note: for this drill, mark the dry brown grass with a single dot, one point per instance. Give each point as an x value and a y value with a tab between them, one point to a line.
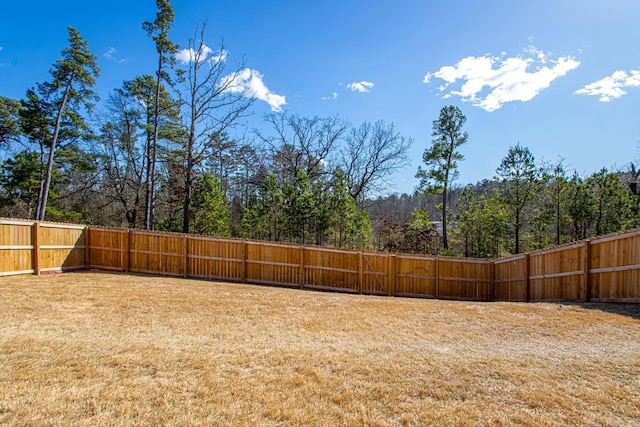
109	349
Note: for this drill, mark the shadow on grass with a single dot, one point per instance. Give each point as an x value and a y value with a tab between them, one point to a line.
623	309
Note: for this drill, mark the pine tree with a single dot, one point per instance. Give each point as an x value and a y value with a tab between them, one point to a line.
158	30
210	208
442	158
70	89
520	183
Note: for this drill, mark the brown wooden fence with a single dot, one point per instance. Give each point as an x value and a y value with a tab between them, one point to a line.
605	269
41	247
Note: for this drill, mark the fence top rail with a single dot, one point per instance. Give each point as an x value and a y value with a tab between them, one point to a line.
47	224
110	230
15	222
321	249
465	260
375	254
214	239
156	233
617	236
509	259
57	225
568	246
417	257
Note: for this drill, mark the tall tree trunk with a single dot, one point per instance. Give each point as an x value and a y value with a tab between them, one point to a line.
147	184
558	217
186	207
445	241
517	232
188	173
42	204
151	185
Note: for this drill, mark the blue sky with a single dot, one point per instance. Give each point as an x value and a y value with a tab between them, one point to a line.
560	77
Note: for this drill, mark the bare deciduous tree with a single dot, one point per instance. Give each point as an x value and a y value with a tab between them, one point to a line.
303	144
373	152
211	101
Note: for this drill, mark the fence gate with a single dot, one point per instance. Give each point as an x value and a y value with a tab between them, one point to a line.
377	269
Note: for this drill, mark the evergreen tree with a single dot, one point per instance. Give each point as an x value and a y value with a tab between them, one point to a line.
210	208
20	181
442	158
611	201
70	89
9	121
520	184
158	30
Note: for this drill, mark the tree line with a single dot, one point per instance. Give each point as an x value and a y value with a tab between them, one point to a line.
162	152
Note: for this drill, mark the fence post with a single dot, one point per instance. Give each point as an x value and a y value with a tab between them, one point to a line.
35	252
527	273
360	273
302	267
244	260
186	256
437	277
492	283
391	291
87	248
126	254
587	270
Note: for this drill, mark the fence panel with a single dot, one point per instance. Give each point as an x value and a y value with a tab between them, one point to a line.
156	253
375	272
273	264
615	268
330	269
511	278
214	258
108	248
558	273
16	247
415	276
464	279
62	247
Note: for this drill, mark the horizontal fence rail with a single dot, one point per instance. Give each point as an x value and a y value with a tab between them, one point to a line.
604	269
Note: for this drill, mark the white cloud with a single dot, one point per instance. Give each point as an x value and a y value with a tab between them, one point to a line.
334	95
611	87
250	83
490	81
109	54
205	53
362	86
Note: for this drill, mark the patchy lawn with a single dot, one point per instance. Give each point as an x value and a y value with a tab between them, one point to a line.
110	349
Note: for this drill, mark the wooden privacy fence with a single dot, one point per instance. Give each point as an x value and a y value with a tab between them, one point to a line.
288	265
605	269
41	247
